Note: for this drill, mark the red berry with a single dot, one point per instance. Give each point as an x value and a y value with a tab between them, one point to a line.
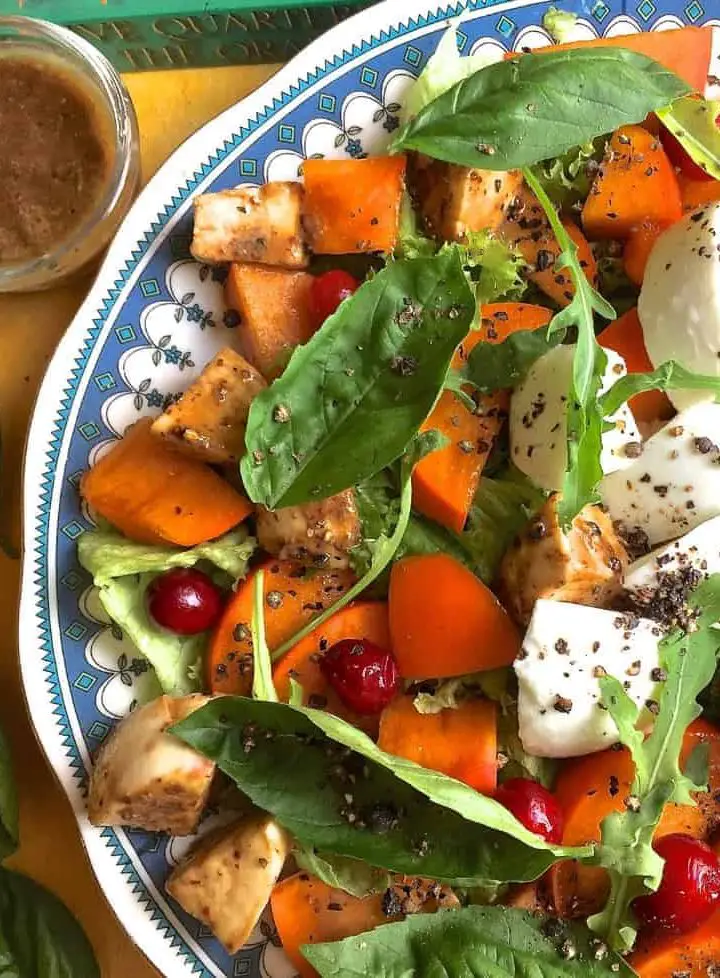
364	676
534	806
680	158
184	601
690	886
329	290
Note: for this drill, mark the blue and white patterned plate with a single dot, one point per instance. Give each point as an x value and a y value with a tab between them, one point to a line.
151	321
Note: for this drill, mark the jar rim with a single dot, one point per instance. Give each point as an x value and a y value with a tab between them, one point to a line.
124	173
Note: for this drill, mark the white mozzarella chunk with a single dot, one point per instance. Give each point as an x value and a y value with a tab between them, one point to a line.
698	550
538	419
566	649
675	484
679	304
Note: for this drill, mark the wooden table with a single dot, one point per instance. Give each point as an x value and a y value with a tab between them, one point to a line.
170	106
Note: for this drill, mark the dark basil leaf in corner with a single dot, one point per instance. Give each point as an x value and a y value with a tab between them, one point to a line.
493	366
39	937
534	107
9	835
288	767
472	943
353	397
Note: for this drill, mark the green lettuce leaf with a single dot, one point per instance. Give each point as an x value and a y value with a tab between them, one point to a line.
560	24
493	267
500	509
107	554
692	121
174	658
476	942
567	179
445	67
411	242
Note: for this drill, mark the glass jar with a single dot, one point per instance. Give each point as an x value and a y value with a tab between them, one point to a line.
93	75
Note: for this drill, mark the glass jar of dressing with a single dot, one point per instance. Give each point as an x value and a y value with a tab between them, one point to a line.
69	153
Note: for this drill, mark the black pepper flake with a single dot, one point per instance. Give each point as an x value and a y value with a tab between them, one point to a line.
281	414
653	707
561	647
704	445
658	675
562	704
614	786
404	366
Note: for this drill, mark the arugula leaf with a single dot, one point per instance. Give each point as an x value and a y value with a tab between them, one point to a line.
375	807
626	851
107	554
385	547
174	658
351	875
493	266
39	937
691	120
494	366
263	687
475	942
444	68
584	417
9	832
353	397
669	376
531	108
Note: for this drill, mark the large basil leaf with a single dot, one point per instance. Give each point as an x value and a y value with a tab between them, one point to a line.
477	942
351	400
9	835
348	802
39	937
531	108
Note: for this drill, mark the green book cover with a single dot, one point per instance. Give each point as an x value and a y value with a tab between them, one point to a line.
141	36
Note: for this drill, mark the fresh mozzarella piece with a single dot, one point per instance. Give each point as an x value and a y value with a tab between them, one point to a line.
698	550
565	650
679	304
538	419
675	484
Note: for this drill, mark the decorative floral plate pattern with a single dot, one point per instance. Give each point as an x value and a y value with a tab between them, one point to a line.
151	321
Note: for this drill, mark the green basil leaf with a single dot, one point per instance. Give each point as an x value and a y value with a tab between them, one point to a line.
351	875
39	937
530	108
360	802
690	660
9	834
584	415
692	121
351	399
669	376
477	942
493	366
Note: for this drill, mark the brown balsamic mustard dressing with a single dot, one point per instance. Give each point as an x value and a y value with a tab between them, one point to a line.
54	155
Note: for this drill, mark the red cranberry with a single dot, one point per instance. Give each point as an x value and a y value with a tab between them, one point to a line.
184	601
534	806
690	886
680	158
329	290
364	676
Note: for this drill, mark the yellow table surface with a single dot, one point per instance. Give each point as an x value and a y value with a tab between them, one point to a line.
170	106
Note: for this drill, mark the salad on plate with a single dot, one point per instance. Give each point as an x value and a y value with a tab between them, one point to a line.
426	571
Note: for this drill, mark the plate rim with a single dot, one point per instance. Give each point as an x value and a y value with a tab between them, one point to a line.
365	33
